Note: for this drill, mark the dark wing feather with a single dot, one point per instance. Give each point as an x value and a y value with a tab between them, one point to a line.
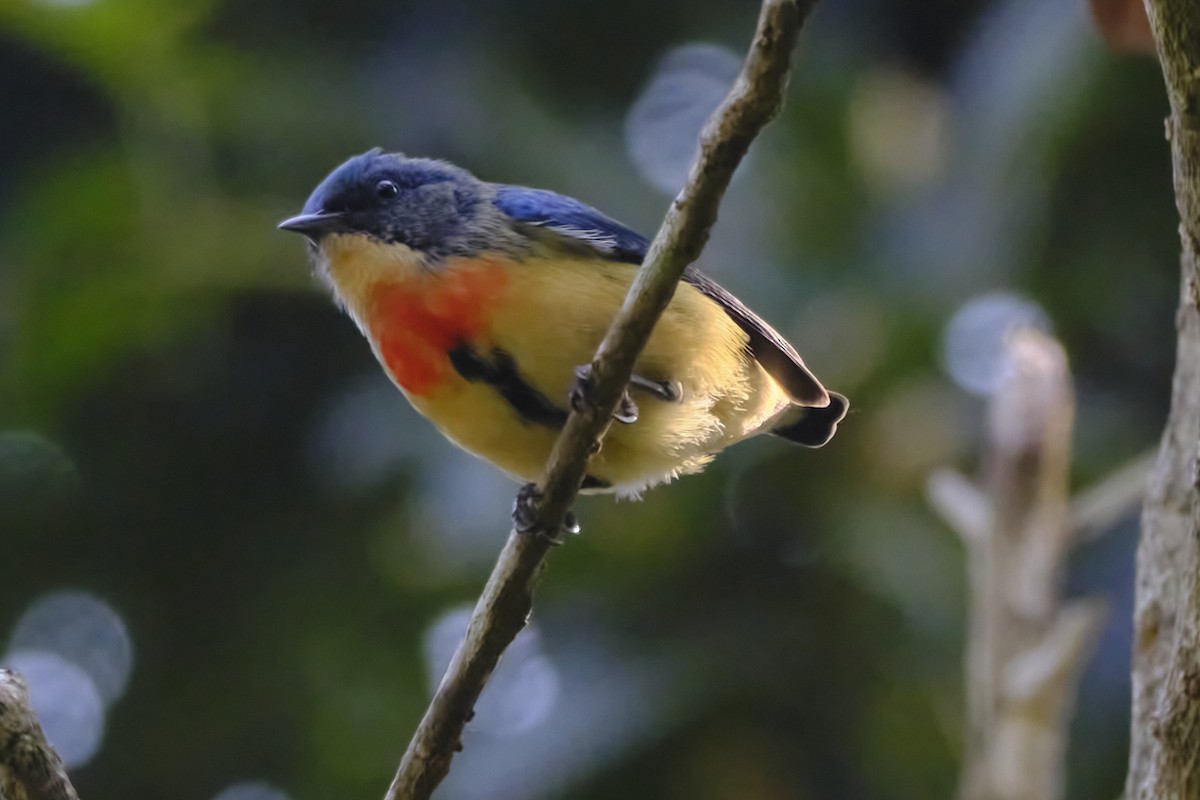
772	351
574	223
578	225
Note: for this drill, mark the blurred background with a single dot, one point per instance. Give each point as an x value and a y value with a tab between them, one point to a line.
233	562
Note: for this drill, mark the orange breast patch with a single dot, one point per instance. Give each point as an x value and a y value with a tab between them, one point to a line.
417	321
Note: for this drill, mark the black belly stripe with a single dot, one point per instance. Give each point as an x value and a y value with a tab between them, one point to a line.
501	373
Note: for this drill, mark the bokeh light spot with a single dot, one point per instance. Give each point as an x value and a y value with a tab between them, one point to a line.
66	701
366	436
252	790
899	128
83	630
36	476
920	425
463	509
663	124
843	336
974	340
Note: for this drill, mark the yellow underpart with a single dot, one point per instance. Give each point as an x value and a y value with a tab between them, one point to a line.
550	318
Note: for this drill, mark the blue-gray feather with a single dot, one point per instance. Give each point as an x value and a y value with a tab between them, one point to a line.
575	221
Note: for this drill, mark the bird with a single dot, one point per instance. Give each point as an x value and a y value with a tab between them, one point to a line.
481	301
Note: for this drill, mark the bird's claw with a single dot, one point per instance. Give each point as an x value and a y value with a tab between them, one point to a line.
626	411
525	515
580	396
524	511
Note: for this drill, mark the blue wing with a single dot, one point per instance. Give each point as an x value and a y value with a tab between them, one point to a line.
577	224
574	222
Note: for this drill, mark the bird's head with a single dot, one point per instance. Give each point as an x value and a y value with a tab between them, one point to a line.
431	208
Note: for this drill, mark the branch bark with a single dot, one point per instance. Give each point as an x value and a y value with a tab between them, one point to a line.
29	767
507	598
1164	759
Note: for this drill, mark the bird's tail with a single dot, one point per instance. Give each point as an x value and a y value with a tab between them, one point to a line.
812	427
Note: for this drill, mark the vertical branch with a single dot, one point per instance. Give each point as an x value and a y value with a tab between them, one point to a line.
29	767
507	599
1025	648
1165	737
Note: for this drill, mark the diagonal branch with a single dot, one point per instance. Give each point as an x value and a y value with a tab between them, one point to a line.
29	767
1097	508
506	601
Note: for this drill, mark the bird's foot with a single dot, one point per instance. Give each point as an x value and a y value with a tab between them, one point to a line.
524	511
525	514
626	411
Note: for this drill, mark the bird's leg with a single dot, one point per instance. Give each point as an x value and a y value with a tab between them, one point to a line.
524	514
626	411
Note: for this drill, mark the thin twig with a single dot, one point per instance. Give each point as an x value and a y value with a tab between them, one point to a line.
962	504
1095	509
29	767
966	508
506	601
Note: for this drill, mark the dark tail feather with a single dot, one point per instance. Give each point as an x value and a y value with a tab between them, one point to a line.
813	427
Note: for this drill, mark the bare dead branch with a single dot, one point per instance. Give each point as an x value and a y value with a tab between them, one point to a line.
506	601
960	503
966	508
1025	650
1097	508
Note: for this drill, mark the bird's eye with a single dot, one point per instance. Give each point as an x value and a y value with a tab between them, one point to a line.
386	190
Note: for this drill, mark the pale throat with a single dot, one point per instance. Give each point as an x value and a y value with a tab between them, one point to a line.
414	313
352	266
